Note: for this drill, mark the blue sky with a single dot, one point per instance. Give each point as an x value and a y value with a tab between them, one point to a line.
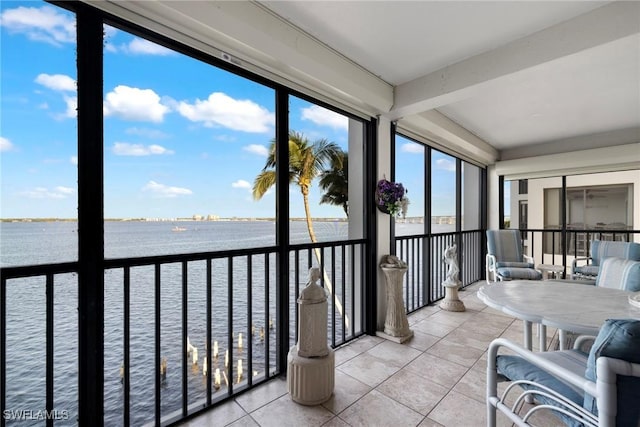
181	137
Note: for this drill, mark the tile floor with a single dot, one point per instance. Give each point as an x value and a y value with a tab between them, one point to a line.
435	379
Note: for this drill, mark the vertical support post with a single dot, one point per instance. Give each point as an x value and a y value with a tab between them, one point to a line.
282	229
126	380
370	292
392	169
50	348
209	337
185	334
484	214
459	196
427	244
501	202
90	219
563	210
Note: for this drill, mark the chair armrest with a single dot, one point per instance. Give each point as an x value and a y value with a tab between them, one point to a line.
574	264
552	399
582	341
608	368
491	260
533	358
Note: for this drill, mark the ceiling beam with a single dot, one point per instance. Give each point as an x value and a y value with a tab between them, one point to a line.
450	137
468	77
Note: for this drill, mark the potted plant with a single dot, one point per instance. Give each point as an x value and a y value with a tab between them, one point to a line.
391	197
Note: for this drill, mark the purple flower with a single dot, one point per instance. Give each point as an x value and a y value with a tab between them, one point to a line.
389	195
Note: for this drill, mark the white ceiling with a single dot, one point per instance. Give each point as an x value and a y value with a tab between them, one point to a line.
586	98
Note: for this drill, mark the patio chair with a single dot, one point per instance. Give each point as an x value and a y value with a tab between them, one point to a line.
615	273
506	259
599	251
598	388
619	273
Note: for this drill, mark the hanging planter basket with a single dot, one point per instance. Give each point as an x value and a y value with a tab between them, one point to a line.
389	197
382	208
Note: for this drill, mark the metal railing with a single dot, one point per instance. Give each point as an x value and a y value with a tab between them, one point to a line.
182	332
561	247
426	268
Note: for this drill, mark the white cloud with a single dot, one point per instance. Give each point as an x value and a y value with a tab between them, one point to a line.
45	193
241	183
161	190
222	110
258	149
147	133
72	107
46	24
323	117
73	160
412	148
5	144
445	164
130	103
64	190
139	46
58	82
126	149
110	48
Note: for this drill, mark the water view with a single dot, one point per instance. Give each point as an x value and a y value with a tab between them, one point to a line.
29	243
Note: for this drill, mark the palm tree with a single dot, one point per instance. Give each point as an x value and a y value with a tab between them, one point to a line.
335	182
307	160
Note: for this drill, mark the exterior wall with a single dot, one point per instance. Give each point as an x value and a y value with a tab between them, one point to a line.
493	215
537	189
514	206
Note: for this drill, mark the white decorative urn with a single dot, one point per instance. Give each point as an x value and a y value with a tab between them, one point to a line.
311	362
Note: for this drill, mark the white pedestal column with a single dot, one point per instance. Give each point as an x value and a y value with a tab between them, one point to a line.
451	302
396	325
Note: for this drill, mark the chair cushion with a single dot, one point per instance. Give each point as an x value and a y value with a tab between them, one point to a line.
587	270
506	245
516	368
619	339
601	250
619	273
517	273
514	264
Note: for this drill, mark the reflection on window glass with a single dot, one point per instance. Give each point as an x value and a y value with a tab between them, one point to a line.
184	142
324	146
509	198
443	192
410	171
471	181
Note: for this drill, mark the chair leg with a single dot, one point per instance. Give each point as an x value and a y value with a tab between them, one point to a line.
492	388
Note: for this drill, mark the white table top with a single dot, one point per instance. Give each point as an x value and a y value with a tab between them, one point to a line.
569	306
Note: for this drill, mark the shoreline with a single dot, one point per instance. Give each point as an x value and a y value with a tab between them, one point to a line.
231	219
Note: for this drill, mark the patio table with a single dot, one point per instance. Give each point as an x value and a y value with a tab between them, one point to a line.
566	306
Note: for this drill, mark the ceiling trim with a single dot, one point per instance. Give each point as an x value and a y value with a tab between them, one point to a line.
476	74
609	159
